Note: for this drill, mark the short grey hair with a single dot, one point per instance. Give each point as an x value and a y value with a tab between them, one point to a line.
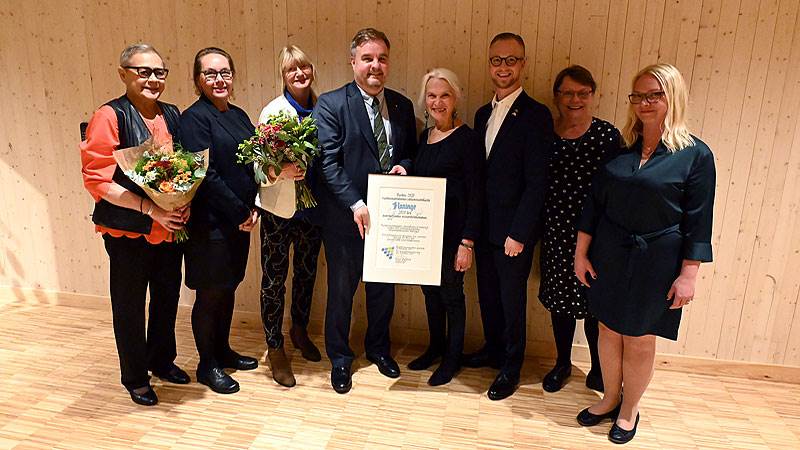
443	74
135	49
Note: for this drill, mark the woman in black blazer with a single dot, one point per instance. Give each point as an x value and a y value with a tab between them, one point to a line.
223	213
449	149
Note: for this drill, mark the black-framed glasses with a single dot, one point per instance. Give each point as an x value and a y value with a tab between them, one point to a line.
211	74
145	72
510	61
652	97
582	94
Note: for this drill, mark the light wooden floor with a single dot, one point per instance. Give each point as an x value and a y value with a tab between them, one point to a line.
59	389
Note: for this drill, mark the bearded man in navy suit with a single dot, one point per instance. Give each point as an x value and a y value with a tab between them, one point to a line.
363	128
518	134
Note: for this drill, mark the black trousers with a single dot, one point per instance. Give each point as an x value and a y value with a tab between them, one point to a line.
503	296
277	234
345	259
136	265
446	310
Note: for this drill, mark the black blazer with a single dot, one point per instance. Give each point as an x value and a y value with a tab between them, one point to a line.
350	152
228	192
516	171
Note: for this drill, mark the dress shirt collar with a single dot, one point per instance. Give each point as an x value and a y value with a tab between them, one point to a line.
368	98
508	100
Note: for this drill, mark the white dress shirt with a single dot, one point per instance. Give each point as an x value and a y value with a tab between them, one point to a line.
387	126
499	112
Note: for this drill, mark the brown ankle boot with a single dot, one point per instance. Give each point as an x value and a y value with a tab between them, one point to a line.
281	367
301	341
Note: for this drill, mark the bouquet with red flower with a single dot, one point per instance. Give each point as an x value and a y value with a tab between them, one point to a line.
283	139
168	174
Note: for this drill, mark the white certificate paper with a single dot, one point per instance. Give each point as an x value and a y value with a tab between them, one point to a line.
404	241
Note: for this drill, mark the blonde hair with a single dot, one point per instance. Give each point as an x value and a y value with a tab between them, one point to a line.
675	133
293	55
443	74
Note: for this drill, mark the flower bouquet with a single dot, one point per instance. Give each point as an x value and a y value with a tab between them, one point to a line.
283	139
168	174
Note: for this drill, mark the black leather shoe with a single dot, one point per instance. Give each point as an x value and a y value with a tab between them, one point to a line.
147	398
502	387
444	373
219	381
481	358
174	375
386	365
555	379
426	359
619	436
341	380
594	380
239	362
587	419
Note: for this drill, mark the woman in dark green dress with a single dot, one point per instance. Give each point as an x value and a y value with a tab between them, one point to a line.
642	236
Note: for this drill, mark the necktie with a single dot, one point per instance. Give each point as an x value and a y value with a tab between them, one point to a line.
380	135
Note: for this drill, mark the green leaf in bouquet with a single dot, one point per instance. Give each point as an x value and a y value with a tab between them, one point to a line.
200	172
260	177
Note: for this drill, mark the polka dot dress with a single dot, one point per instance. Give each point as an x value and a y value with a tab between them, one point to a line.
574	162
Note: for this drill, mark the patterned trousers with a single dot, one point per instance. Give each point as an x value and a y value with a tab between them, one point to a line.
277	234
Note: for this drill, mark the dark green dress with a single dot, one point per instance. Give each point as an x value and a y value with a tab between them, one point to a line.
644	222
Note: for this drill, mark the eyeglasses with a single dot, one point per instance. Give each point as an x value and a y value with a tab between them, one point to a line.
145	72
652	97
583	95
211	74
510	61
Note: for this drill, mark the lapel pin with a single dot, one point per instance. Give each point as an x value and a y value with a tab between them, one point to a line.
514	113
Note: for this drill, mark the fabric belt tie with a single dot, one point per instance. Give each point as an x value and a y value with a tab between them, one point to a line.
638	243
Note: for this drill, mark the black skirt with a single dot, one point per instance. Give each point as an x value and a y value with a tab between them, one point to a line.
216	260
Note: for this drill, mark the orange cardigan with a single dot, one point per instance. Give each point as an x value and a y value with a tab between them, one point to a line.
98	164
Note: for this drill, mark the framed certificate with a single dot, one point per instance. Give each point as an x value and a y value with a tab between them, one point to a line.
404	241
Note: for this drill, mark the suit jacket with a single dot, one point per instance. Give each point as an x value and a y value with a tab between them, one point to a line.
227	194
350	152
516	171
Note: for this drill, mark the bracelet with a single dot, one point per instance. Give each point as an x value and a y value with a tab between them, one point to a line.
150	209
467	246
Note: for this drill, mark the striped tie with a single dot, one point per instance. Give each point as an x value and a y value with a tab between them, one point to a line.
380	135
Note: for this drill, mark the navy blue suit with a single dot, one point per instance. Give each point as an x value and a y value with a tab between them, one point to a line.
516	181
349	155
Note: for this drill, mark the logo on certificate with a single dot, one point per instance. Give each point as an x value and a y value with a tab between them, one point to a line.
388	252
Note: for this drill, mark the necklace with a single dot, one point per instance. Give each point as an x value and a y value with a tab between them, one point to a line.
580	141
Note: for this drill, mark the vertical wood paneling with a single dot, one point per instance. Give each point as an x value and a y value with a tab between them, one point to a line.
739	58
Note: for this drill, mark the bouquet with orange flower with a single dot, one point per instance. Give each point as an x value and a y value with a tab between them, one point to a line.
168	174
281	139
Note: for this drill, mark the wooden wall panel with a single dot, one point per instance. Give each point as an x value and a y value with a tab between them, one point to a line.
740	58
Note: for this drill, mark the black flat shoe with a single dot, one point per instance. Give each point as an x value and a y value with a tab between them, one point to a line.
594	380
174	375
147	398
219	381
619	436
238	362
341	380
555	379
587	419
481	358
502	387
444	373
425	360
386	365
